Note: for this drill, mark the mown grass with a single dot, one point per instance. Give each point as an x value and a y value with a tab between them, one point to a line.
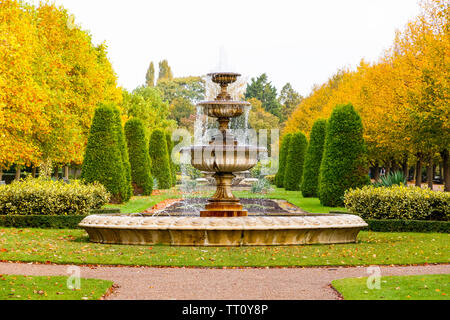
73	247
14	287
425	287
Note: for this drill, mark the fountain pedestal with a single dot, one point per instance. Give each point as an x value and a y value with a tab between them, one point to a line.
224	203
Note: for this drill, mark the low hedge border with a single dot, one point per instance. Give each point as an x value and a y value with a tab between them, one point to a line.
48	222
408	226
71	222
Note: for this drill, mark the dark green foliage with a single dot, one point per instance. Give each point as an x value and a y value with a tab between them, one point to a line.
313	159
344	164
160	159
124	154
103	158
264	91
173	170
279	179
408	226
294	163
141	176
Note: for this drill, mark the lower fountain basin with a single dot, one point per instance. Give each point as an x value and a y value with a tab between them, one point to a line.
240	231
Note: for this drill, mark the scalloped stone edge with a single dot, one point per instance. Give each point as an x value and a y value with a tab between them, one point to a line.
239	231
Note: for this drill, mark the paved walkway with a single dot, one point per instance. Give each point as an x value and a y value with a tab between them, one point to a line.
228	284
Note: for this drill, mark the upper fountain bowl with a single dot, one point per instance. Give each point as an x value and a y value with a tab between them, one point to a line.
224	78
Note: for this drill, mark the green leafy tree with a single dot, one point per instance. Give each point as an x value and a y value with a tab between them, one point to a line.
146	103
313	159
190	88
289	99
279	179
261	89
181	108
103	158
160	159
165	72
344	163
294	163
150	76
141	176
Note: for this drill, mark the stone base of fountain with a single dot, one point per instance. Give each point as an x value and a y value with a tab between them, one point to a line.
239	231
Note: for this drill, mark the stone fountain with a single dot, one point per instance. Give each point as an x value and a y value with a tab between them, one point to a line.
224	222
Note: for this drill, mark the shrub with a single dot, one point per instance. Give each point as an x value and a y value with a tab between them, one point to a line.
294	163
282	161
313	159
124	154
172	165
160	159
261	186
392	179
271	179
103	158
141	176
48	197
398	202
344	163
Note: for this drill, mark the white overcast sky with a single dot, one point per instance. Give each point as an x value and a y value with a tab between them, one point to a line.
296	41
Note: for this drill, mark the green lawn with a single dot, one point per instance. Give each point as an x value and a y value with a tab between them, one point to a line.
426	287
142	203
73	247
50	288
311	205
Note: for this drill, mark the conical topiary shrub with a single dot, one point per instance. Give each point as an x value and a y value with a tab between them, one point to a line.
294	162
160	159
279	179
173	171
313	159
124	153
102	158
141	176
344	163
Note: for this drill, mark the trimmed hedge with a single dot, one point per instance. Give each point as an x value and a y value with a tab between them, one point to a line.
313	159
172	165
408	226
398	202
103	159
124	153
279	179
141	176
344	164
294	163
48	197
160	159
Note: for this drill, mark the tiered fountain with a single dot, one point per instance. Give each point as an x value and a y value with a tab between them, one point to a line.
223	222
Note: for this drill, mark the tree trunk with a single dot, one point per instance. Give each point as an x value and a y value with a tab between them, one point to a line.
33	172
388	168
419	173
1	174
405	169
17	177
56	173
430	174
376	173
446	167
395	166
66	172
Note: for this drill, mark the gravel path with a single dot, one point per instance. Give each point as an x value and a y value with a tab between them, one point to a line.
225	284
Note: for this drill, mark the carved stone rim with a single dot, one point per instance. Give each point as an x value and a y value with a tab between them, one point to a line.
343	221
